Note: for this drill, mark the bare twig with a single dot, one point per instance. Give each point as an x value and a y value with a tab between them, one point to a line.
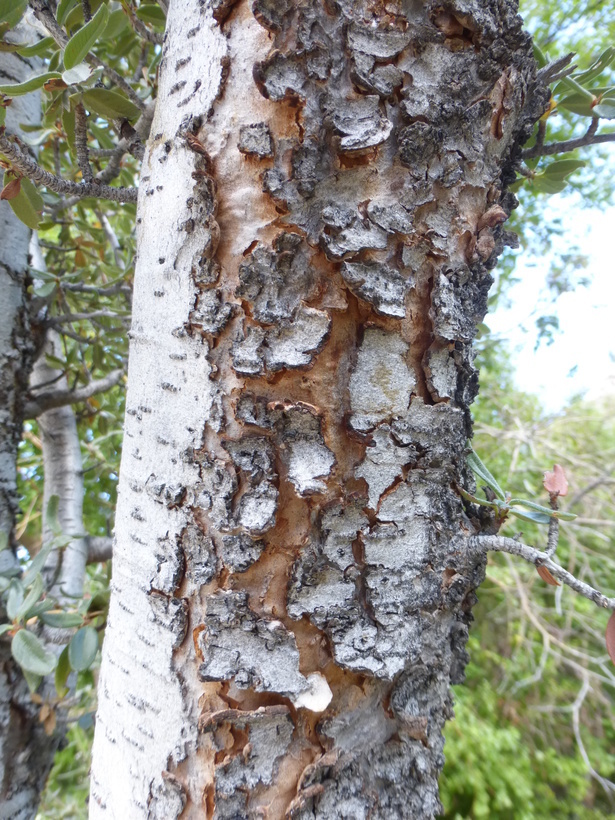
61	398
589	138
557	69
499	543
25	165
69	318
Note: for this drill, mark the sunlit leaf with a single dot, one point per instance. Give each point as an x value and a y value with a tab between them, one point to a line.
78	74
109	104
37	49
33	84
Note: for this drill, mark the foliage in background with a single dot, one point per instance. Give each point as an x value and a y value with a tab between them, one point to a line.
535	735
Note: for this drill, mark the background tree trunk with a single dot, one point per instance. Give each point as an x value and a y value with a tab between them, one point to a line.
26	752
320	204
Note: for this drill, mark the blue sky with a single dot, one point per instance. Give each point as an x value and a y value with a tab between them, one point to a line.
581	357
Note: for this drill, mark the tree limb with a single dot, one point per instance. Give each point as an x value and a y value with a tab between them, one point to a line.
26	166
589	138
498	543
61	398
81	142
100	548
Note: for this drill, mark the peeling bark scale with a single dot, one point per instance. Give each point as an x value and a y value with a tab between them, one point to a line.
320	205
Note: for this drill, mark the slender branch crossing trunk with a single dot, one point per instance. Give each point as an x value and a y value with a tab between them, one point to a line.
321	202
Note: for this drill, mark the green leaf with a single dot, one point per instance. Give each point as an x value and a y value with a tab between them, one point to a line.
118	21
32	597
42	607
578	104
14	599
152	13
4	628
80	43
23	208
32	193
605	108
100	601
82	648
62	620
37	564
4	540
477	466
539	57
68	124
11	11
62	673
33	680
530	515
31	655
561	168
597	67
33	84
64	7
37	49
564	516
109	104
543	185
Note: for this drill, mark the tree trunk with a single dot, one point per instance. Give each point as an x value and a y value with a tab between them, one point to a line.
320	205
26	752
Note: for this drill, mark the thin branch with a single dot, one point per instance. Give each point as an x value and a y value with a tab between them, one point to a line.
69	318
25	165
61	398
100	548
81	141
552	537
143	31
87	11
557	69
102	290
499	543
589	138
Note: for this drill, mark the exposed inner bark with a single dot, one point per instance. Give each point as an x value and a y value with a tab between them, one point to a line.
348	187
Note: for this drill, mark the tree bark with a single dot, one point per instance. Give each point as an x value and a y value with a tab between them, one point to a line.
320	205
26	752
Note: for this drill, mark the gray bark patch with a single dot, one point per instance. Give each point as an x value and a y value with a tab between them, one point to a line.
381	383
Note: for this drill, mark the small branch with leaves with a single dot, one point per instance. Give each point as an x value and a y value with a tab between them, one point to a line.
24	165
504	504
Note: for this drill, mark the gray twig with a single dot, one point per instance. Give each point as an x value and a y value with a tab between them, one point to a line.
25	165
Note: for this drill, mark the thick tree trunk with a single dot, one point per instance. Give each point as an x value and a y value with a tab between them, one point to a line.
26	752
320	205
